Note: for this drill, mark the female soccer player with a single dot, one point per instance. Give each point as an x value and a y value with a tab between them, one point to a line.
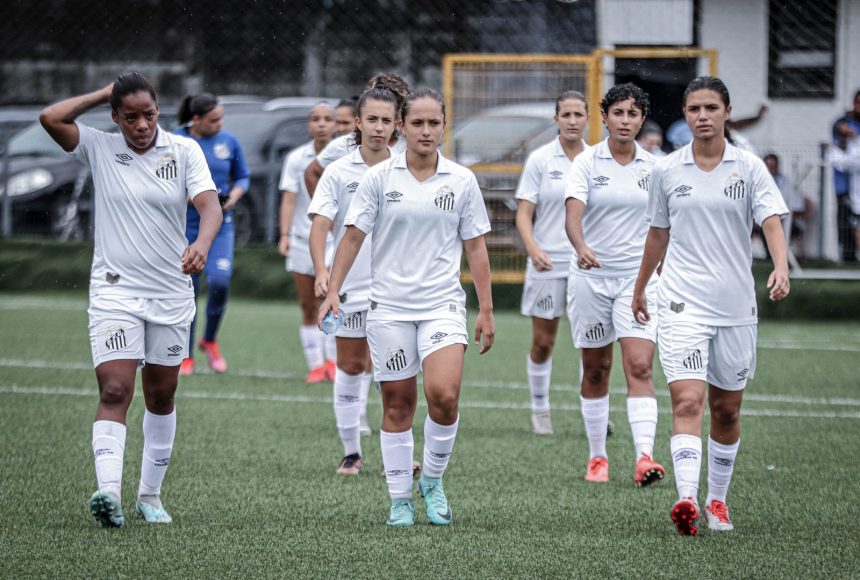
540	221
606	195
344	117
343	144
319	350
702	204
200	118
141	299
331	202
423	210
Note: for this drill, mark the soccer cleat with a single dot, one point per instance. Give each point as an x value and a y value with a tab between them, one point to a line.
684	514
317	375
541	423
213	355
330	367
152	514
186	367
717	516
610	428
438	510
598	470
402	513
106	509
363	426
647	471
350	465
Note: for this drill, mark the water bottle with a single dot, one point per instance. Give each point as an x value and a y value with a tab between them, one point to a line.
331	323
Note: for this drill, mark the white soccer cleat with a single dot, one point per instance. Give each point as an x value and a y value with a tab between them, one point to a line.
542	423
717	516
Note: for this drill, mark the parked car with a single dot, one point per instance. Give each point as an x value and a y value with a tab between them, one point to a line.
15	118
495	145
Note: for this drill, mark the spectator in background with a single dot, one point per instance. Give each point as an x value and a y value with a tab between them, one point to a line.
799	205
847	160
650	138
845	129
344	116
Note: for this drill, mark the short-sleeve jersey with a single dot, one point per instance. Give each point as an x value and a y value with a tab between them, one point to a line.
707	276
293	179
542	183
615	197
140	203
332	199
418	231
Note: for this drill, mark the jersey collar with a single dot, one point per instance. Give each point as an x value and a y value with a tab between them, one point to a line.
604	153
729	153
161	139
442	164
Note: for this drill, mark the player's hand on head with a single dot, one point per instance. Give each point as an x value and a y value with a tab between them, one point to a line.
779	284
485	330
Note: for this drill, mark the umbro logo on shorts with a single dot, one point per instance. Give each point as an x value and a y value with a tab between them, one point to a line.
735	188
396	361
676	307
352	186
693	361
682	190
556	174
545	304
601	181
445	198
353	321
393	197
174	350
111	278
437	337
595	331
116	341
123	158
742	375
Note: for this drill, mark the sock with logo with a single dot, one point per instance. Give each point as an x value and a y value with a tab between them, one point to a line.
642	415
158	434
108	449
595	414
721	464
330	347
438	446
312	345
687	461
347	410
397	449
539	375
366	379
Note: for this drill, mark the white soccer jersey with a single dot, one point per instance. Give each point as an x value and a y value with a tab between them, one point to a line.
332	198
616	197
336	148
140	205
293	179
542	183
848	161
418	232
707	276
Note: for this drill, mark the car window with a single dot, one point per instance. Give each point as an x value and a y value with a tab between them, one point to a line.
496	139
34	140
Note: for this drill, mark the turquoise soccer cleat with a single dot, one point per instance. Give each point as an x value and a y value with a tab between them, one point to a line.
402	513
152	514
438	510
106	509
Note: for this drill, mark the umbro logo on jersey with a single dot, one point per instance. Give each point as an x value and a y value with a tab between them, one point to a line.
601	181
396	361
111	278
353	321
735	187
123	158
693	361
352	186
683	190
545	304
167	168
676	307
437	337
116	341
445	198
556	174
595	332
393	197
174	351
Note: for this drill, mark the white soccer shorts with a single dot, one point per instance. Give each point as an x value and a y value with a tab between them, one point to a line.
724	356
354	325
299	259
398	348
600	310
545	299
153	331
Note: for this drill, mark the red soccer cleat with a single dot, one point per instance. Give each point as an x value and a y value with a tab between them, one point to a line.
186	367
213	355
684	514
317	375
717	516
647	471
330	367
598	470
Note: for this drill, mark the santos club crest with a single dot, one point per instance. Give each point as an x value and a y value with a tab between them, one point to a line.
445	198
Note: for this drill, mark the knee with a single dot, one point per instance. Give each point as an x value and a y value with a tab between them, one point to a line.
219	284
351	367
398	411
725	414
640	369
687	408
542	348
597	372
114	392
444	406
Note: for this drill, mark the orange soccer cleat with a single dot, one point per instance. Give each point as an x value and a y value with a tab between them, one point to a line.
186	367
717	516
213	355
317	375
598	470
647	471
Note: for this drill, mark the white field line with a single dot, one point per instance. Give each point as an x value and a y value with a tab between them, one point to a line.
499	385
188	394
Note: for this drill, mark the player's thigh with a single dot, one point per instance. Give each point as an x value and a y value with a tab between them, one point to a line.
393	349
733	357
116	328
442	346
622	313
684	348
168	323
590	312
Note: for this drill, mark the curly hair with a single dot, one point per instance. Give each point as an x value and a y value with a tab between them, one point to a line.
623	92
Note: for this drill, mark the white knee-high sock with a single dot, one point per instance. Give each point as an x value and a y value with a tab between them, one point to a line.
366	379
397	449
108	449
642	414
330	347
159	432
539	375
687	460
347	410
312	345
438	446
721	464
595	414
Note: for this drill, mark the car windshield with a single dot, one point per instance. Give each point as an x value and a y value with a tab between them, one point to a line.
496	139
34	140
